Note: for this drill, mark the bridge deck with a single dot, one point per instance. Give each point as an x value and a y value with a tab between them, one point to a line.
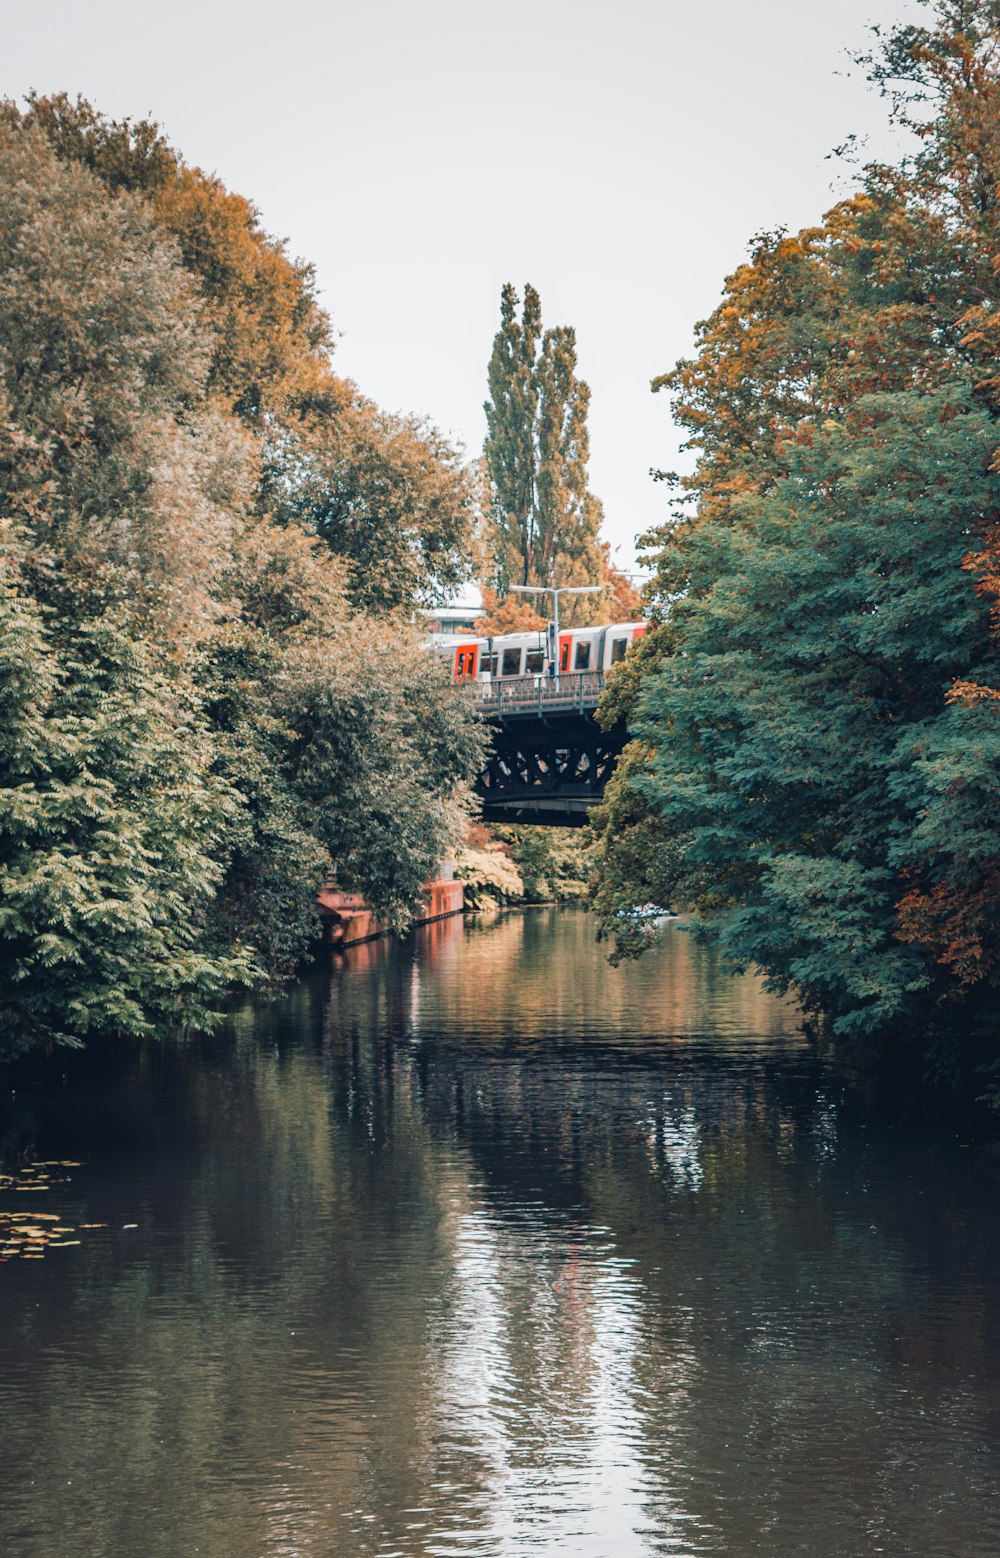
574	692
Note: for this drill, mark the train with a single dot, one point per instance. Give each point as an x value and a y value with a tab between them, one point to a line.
537	653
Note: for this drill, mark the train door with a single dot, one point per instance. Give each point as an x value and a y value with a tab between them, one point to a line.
616	646
466	662
577	649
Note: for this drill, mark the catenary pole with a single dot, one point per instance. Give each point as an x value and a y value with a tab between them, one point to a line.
555	591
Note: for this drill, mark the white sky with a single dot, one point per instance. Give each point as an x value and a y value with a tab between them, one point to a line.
618	154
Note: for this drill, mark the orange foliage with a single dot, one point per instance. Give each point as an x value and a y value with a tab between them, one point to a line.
274	339
621	601
985	564
513	614
957	924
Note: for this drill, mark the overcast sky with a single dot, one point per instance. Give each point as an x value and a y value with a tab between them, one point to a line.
618	154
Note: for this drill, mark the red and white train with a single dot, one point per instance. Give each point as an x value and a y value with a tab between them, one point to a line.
536	653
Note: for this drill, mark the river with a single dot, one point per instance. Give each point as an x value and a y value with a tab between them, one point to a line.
474	1245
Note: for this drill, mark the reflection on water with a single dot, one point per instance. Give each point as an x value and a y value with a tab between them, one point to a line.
478	1246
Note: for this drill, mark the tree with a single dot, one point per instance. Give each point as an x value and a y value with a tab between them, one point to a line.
545	521
513	614
510	448
110	823
342	741
124	482
816	653
387	493
816	721
199	726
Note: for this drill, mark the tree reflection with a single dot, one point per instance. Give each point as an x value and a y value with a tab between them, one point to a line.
450	1254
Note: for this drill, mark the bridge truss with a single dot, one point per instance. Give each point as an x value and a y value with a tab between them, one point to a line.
549	760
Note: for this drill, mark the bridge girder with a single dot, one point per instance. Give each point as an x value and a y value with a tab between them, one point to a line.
549	770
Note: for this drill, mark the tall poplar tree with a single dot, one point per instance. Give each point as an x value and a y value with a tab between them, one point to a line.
511	444
545	521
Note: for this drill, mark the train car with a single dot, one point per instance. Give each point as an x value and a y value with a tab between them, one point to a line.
596	648
515	654
465	652
509	655
617	639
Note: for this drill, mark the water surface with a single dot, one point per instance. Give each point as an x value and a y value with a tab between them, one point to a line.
474	1245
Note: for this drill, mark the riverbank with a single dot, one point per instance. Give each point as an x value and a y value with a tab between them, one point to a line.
348	919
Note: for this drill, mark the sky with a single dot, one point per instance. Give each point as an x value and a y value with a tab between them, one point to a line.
617	154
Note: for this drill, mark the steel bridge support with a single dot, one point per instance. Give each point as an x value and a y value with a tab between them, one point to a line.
548	770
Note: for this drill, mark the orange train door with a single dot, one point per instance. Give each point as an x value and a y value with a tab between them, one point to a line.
565	642
465	662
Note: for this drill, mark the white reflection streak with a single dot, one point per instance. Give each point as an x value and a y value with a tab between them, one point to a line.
413	1020
523	1485
676	1142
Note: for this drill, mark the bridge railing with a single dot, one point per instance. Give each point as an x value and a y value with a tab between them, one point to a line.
570	691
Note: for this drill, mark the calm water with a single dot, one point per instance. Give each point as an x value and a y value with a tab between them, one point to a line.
476	1246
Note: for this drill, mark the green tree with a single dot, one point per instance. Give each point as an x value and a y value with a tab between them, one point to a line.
386	494
510	448
343	741
790	734
816	720
111	820
544	519
201	726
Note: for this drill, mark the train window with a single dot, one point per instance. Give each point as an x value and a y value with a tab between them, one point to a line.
582	659
618	648
489	664
511	663
564	656
534	662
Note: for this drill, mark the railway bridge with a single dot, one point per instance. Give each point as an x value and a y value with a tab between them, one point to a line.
549	760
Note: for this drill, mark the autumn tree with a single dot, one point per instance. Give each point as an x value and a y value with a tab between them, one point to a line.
512	614
387	493
816	726
199	727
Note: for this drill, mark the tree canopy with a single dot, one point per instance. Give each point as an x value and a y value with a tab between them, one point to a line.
201	725
816	760
387	493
